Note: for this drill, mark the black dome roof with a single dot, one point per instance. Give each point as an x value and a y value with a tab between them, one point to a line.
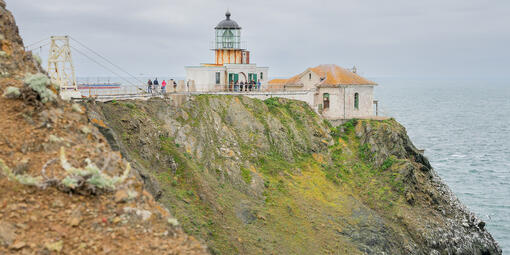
227	23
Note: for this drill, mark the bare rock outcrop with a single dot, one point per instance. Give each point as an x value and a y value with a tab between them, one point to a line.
14	61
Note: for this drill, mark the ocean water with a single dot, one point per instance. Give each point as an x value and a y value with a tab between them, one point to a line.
464	128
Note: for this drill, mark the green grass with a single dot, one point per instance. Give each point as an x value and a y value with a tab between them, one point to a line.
246	174
130	105
388	162
299	189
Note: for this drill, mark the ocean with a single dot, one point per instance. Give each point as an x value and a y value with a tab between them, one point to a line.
464	128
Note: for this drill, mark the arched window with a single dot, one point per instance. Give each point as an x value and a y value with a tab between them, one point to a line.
310	76
356	101
325	100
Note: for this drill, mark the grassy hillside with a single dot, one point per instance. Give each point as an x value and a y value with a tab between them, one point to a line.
262	177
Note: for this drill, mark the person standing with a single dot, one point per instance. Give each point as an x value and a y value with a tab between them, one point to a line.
155	84
163	87
149	86
236	86
174	84
258	85
242	85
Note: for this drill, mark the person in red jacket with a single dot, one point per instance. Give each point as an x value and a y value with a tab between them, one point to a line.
163	87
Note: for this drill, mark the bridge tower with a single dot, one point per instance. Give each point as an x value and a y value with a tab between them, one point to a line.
61	67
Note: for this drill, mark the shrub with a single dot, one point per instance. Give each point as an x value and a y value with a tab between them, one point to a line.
273	101
89	180
37	59
40	83
90	176
77	108
130	105
4	74
12	92
349	125
23	179
388	162
173	222
364	152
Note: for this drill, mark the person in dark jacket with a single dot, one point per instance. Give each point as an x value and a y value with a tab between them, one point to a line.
174	84
149	86
155	84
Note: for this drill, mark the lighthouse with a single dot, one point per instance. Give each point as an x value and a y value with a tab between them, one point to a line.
228	47
231	64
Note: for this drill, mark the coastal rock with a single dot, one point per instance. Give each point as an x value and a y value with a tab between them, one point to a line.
240	160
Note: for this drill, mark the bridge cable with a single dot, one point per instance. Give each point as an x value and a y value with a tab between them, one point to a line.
37	47
106	59
40	41
93	60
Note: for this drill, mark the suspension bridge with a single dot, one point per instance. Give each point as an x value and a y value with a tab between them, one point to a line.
61	70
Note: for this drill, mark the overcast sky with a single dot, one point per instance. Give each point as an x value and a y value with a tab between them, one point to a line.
398	38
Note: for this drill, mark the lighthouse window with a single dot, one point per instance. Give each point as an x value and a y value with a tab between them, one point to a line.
218	76
228	39
356	101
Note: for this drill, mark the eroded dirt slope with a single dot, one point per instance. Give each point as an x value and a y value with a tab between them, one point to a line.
62	189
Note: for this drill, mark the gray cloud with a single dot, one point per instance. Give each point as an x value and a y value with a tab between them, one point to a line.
434	38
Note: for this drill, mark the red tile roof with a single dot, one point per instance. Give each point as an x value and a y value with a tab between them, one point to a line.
333	75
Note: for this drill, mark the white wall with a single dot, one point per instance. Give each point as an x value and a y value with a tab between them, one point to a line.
366	101
265	71
205	76
336	101
310	82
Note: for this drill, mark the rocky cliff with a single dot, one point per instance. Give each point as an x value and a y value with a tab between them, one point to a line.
14	61
272	177
63	190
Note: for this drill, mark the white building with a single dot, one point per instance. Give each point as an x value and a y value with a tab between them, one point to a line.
335	92
232	64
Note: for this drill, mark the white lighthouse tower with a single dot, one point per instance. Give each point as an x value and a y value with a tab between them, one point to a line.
232	61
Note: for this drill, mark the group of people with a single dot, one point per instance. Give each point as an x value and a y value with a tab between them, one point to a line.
153	87
244	86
